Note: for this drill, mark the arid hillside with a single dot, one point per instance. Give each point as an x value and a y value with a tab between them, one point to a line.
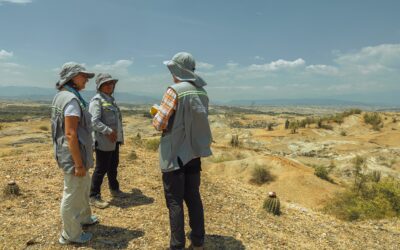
234	213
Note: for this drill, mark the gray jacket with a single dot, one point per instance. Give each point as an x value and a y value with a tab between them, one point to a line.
106	117
60	143
188	135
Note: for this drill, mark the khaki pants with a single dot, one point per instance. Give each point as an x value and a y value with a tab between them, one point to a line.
75	208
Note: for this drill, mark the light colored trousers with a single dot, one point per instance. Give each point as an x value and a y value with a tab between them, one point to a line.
75	208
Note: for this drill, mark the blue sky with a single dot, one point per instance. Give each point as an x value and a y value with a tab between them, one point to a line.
244	49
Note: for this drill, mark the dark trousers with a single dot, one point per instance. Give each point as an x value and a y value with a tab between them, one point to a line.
106	163
183	185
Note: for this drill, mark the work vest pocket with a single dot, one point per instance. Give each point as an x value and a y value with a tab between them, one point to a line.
165	150
64	157
110	117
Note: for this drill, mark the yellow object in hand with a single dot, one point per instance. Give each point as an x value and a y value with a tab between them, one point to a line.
154	109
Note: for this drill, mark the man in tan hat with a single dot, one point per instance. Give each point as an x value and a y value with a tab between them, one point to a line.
186	137
108	136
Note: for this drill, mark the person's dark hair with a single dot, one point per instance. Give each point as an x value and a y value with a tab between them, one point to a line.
71	84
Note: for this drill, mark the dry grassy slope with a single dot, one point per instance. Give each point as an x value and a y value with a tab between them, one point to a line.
234	218
293	181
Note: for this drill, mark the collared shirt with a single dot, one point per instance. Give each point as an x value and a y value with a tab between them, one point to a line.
167	108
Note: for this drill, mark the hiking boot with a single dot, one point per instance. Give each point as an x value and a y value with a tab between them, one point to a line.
96	201
85	237
92	220
117	194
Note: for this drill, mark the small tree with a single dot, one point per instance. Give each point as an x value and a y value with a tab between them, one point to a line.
287	123
235	141
293	127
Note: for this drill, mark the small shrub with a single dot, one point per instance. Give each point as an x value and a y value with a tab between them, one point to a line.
358	160
373	119
343	133
132	155
270	126
44	128
260	175
326	126
152	144
287	123
394	120
1	126
137	140
323	173
338	118
235	141
293	127
375	176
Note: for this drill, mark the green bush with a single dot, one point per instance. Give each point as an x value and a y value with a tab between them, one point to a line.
376	201
152	144
294	125
343	133
260	175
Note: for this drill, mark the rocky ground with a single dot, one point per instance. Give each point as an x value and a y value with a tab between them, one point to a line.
233	207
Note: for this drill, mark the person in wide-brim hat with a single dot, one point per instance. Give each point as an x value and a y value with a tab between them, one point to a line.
71	123
108	137
182	116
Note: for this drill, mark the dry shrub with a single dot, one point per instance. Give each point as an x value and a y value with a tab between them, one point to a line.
44	128
261	175
373	119
132	155
152	144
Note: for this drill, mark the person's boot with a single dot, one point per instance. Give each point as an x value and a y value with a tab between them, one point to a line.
83	238
96	201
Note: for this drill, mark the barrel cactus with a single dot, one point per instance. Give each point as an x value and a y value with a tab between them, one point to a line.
11	188
272	204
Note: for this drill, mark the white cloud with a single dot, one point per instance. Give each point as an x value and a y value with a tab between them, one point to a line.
259	58
5	54
232	64
16	1
278	65
322	69
372	59
120	67
203	65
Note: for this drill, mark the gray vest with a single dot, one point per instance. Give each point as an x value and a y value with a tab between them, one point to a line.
60	143
111	117
188	135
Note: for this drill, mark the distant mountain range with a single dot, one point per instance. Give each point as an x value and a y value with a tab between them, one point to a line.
47	94
299	102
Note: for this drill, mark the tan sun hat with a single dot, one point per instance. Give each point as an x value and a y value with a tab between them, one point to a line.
182	66
103	78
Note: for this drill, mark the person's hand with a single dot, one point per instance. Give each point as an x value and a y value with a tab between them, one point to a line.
80	171
113	136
